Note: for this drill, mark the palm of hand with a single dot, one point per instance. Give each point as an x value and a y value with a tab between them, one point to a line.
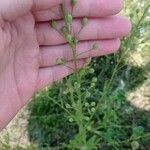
29	48
19	59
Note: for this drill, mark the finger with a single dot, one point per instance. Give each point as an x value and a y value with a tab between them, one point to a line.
10	10
50	54
45	4
51	74
96	29
90	8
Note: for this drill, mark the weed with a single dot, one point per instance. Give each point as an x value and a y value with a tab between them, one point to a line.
94	112
89	109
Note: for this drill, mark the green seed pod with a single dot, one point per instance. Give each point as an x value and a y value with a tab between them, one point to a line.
69	38
75	41
91	70
94	80
86	104
68	18
89	128
93	109
70	120
84	21
60	61
93	104
88	61
135	145
64	30
95	46
77	85
92	85
65	92
73	2
86	118
88	94
54	24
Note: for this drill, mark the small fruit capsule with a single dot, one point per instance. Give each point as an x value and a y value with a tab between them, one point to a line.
64	30
95	46
94	79
60	61
84	21
53	24
91	71
68	18
70	120
93	104
69	38
73	2
86	104
93	109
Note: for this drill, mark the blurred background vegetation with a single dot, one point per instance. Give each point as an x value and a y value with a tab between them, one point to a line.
122	121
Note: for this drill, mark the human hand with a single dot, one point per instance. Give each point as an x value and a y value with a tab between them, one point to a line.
29	47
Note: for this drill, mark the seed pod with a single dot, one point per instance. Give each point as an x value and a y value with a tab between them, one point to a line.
135	145
84	21
93	104
93	109
73	2
68	18
75	40
86	104
91	71
92	85
95	46
86	118
60	61
70	119
88	94
64	30
68	106
94	80
54	24
69	38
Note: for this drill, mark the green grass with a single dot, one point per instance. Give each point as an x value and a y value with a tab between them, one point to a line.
93	112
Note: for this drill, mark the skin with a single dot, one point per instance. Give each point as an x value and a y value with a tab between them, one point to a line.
29	48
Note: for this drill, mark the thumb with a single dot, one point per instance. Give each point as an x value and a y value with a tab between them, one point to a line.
12	9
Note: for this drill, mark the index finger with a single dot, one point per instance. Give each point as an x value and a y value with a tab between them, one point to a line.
89	8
